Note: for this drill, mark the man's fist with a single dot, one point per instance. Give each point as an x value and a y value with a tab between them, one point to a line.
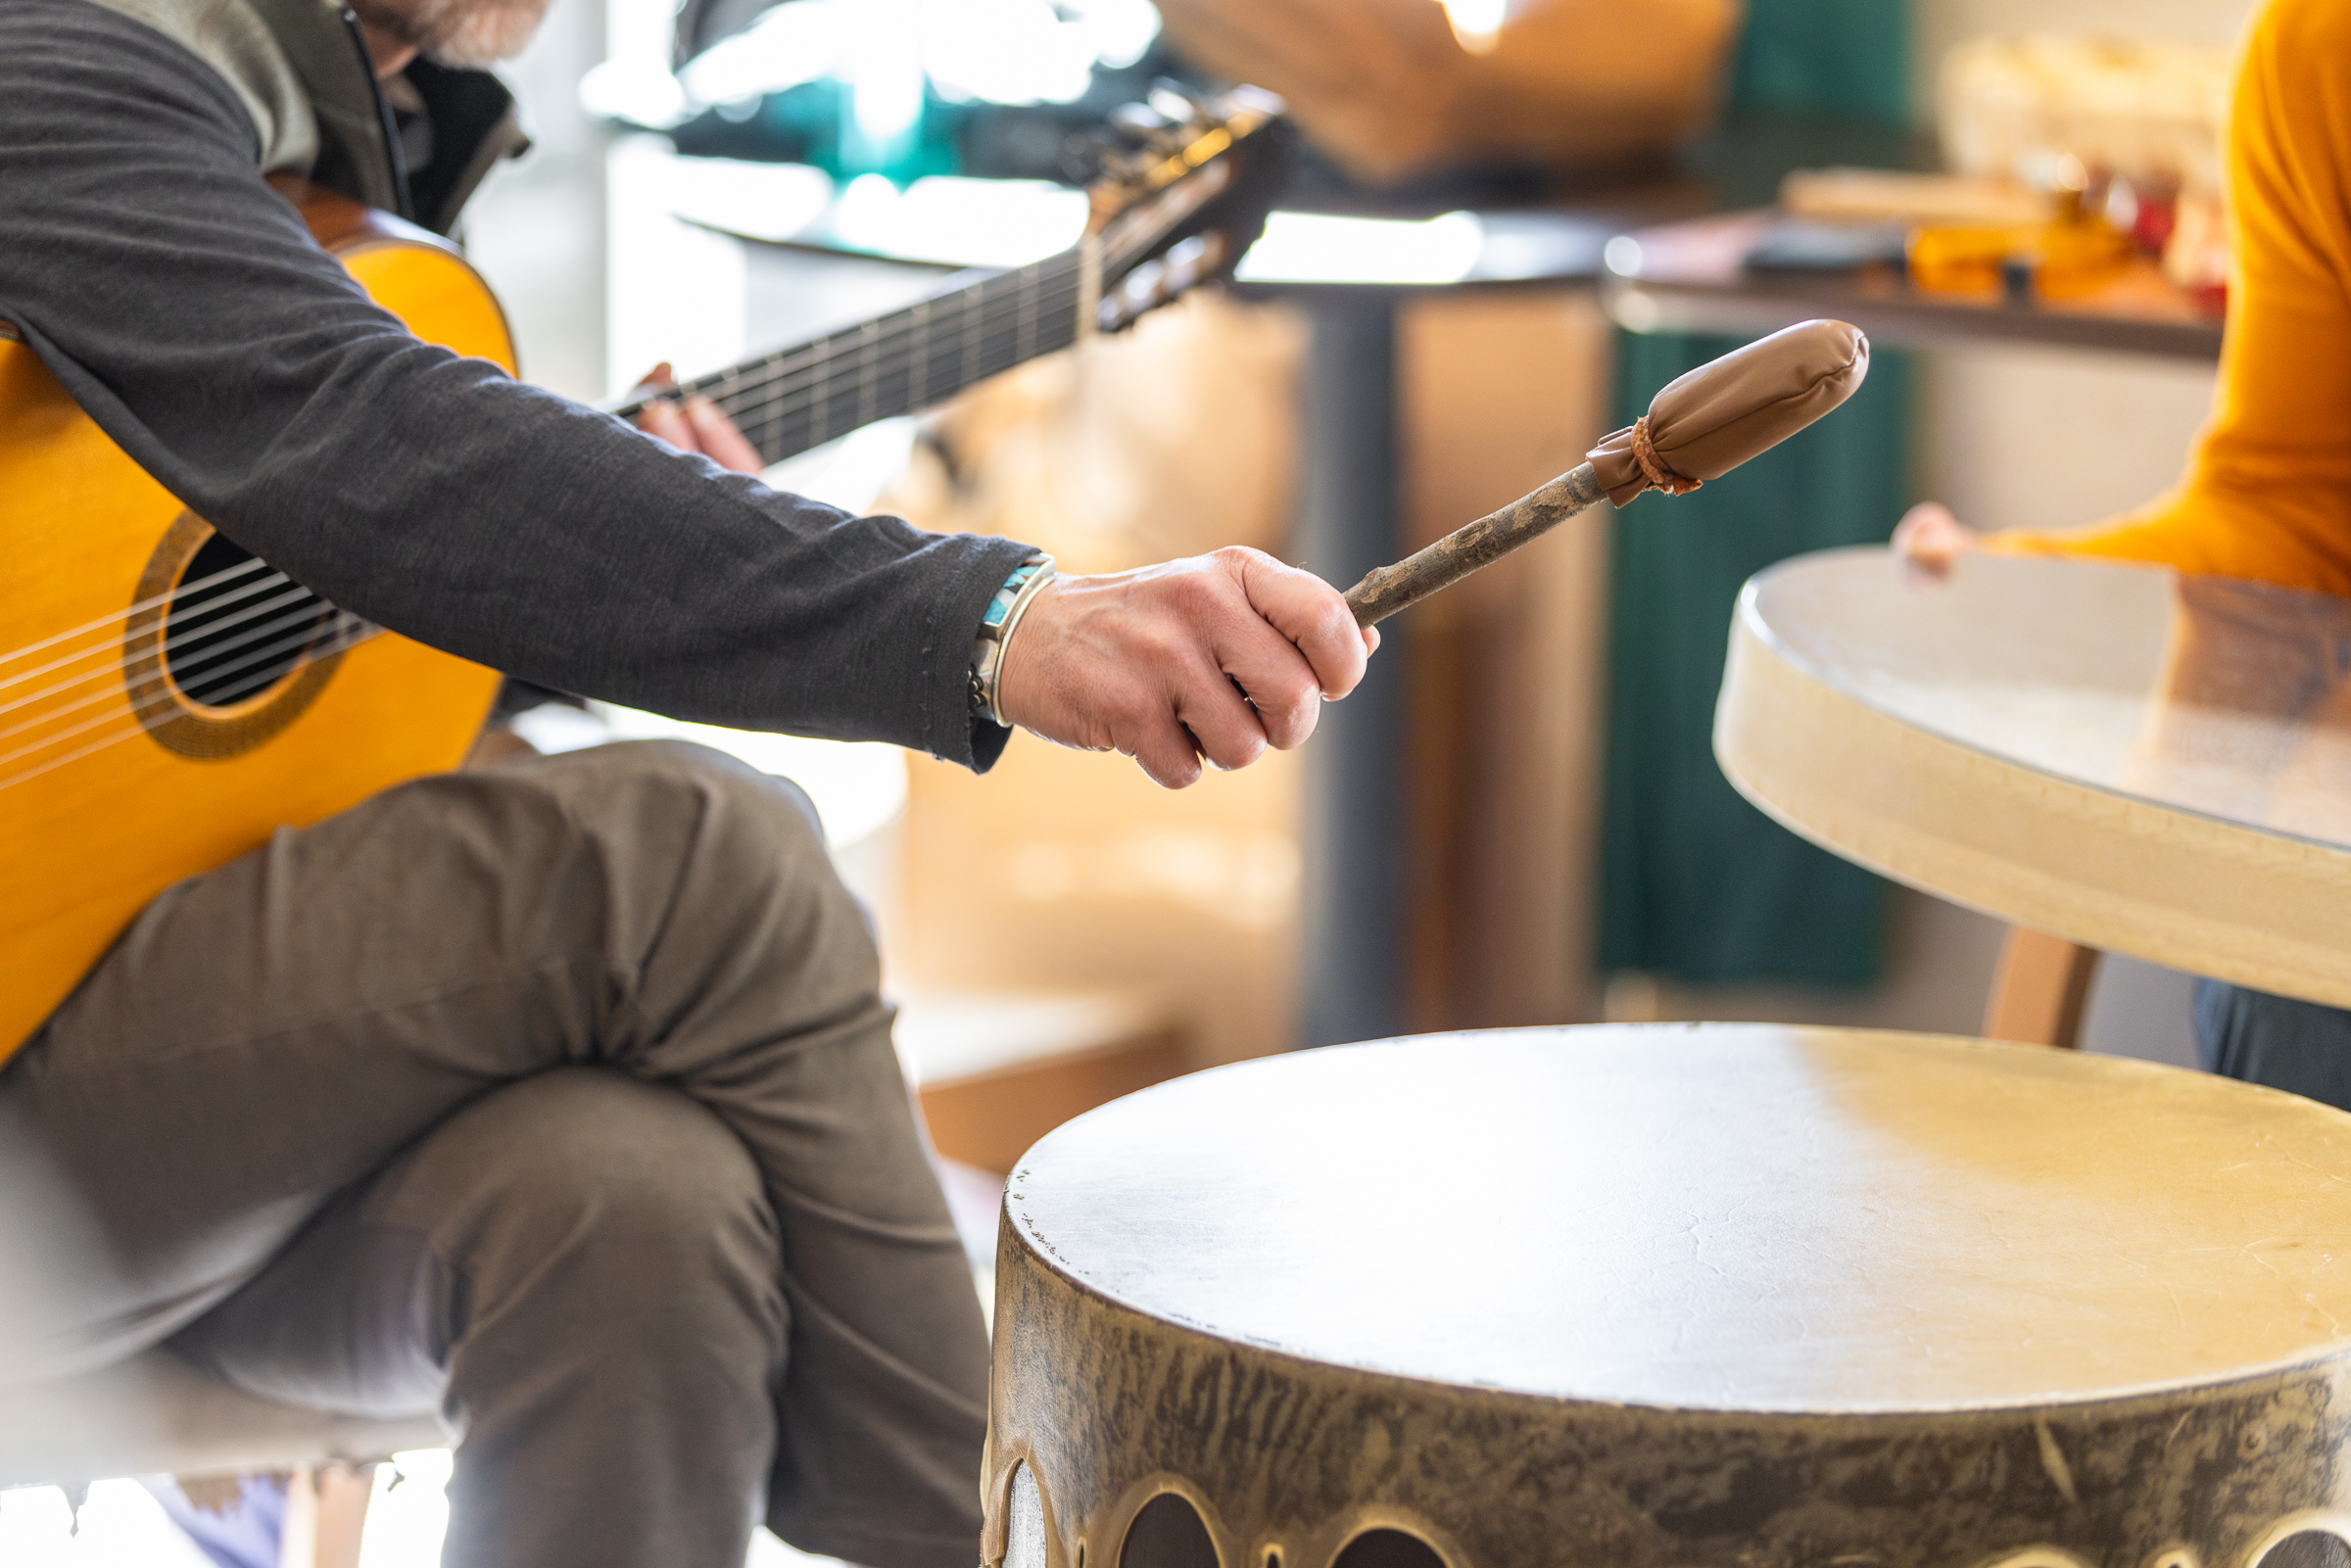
1217	657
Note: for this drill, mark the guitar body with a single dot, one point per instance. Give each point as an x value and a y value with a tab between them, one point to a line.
116	776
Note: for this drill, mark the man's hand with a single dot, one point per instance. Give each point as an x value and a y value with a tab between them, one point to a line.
1217	657
696	425
1929	536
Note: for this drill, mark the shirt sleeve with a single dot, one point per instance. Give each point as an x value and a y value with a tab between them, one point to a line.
2268	490
184	307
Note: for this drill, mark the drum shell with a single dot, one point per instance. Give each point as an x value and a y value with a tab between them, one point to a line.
1110	1407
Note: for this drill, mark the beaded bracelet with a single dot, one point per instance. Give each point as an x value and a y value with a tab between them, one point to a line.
996	626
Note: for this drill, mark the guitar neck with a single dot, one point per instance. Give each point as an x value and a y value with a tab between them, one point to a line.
799	398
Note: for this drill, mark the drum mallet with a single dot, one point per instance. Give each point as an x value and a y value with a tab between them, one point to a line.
1700	427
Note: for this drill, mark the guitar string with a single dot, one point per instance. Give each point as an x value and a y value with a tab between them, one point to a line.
765	422
105	729
156	701
303	602
825	369
131	732
303	622
769	403
828	366
814	356
288	594
111	736
137	607
769	416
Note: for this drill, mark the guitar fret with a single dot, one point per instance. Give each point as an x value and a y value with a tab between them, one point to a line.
824	355
866	367
966	375
1025	314
922	349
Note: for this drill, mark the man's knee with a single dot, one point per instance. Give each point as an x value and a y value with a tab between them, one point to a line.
586	1203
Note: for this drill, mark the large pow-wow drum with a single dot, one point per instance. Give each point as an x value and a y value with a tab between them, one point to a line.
1675	1297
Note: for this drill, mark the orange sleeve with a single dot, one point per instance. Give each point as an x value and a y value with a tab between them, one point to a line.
2268	492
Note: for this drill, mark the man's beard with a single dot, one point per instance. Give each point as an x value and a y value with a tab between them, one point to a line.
465	34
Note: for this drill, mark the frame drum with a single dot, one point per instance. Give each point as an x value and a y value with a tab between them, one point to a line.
1677	1297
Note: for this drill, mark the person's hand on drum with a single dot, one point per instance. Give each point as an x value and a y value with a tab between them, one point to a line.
1930	537
1215	658
693	424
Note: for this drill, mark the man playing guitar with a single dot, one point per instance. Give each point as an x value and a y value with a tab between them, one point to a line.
557	1096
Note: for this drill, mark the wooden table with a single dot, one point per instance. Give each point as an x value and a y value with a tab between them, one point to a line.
1675	1297
1690	276
2129	759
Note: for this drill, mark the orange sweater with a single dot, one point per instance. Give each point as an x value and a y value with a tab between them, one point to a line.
2268	492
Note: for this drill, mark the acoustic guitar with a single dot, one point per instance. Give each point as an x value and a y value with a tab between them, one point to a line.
168	699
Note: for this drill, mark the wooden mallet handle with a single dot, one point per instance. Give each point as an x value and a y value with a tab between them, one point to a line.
1700	427
1385	590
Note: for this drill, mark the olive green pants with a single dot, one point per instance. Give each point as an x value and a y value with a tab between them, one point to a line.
559	1097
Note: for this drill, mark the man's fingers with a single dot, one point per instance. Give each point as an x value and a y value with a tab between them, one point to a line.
1166	753
661	418
1222	725
1280	682
719	440
1930	537
1306	610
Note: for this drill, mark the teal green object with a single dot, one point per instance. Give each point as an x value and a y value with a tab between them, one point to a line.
1696	884
816	122
1847	58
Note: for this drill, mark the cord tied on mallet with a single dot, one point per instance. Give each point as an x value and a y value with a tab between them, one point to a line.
1700	427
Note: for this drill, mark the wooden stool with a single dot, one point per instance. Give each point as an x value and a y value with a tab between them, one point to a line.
155	1413
1676	1296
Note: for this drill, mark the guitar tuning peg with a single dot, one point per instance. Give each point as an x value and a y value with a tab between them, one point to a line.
1086	156
1137	123
1176	103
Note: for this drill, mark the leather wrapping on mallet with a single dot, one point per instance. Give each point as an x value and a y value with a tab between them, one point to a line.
1700	427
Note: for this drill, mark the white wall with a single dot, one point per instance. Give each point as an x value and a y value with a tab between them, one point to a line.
537	229
2053	438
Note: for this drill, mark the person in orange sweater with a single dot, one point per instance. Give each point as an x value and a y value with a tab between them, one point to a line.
2267	494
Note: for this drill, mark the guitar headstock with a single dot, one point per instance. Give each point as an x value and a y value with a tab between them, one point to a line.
1184	191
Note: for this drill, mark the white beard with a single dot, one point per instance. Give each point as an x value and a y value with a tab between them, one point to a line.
468	34
487	31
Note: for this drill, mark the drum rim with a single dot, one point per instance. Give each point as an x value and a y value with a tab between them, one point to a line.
1036	1252
1750	614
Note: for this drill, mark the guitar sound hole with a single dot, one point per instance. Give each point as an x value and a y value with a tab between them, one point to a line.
225	636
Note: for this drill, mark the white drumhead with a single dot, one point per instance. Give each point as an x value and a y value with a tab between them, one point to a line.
1718	1216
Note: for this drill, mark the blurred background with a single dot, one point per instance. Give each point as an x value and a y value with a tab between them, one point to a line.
718	181
1524	824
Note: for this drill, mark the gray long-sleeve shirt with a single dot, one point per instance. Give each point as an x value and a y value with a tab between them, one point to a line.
185	309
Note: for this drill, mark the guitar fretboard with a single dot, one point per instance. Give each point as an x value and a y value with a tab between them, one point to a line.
803	397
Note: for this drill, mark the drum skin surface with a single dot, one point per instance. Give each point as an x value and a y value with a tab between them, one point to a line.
2131	759
1678	1297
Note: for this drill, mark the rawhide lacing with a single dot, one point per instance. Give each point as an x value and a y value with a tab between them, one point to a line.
1653	467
